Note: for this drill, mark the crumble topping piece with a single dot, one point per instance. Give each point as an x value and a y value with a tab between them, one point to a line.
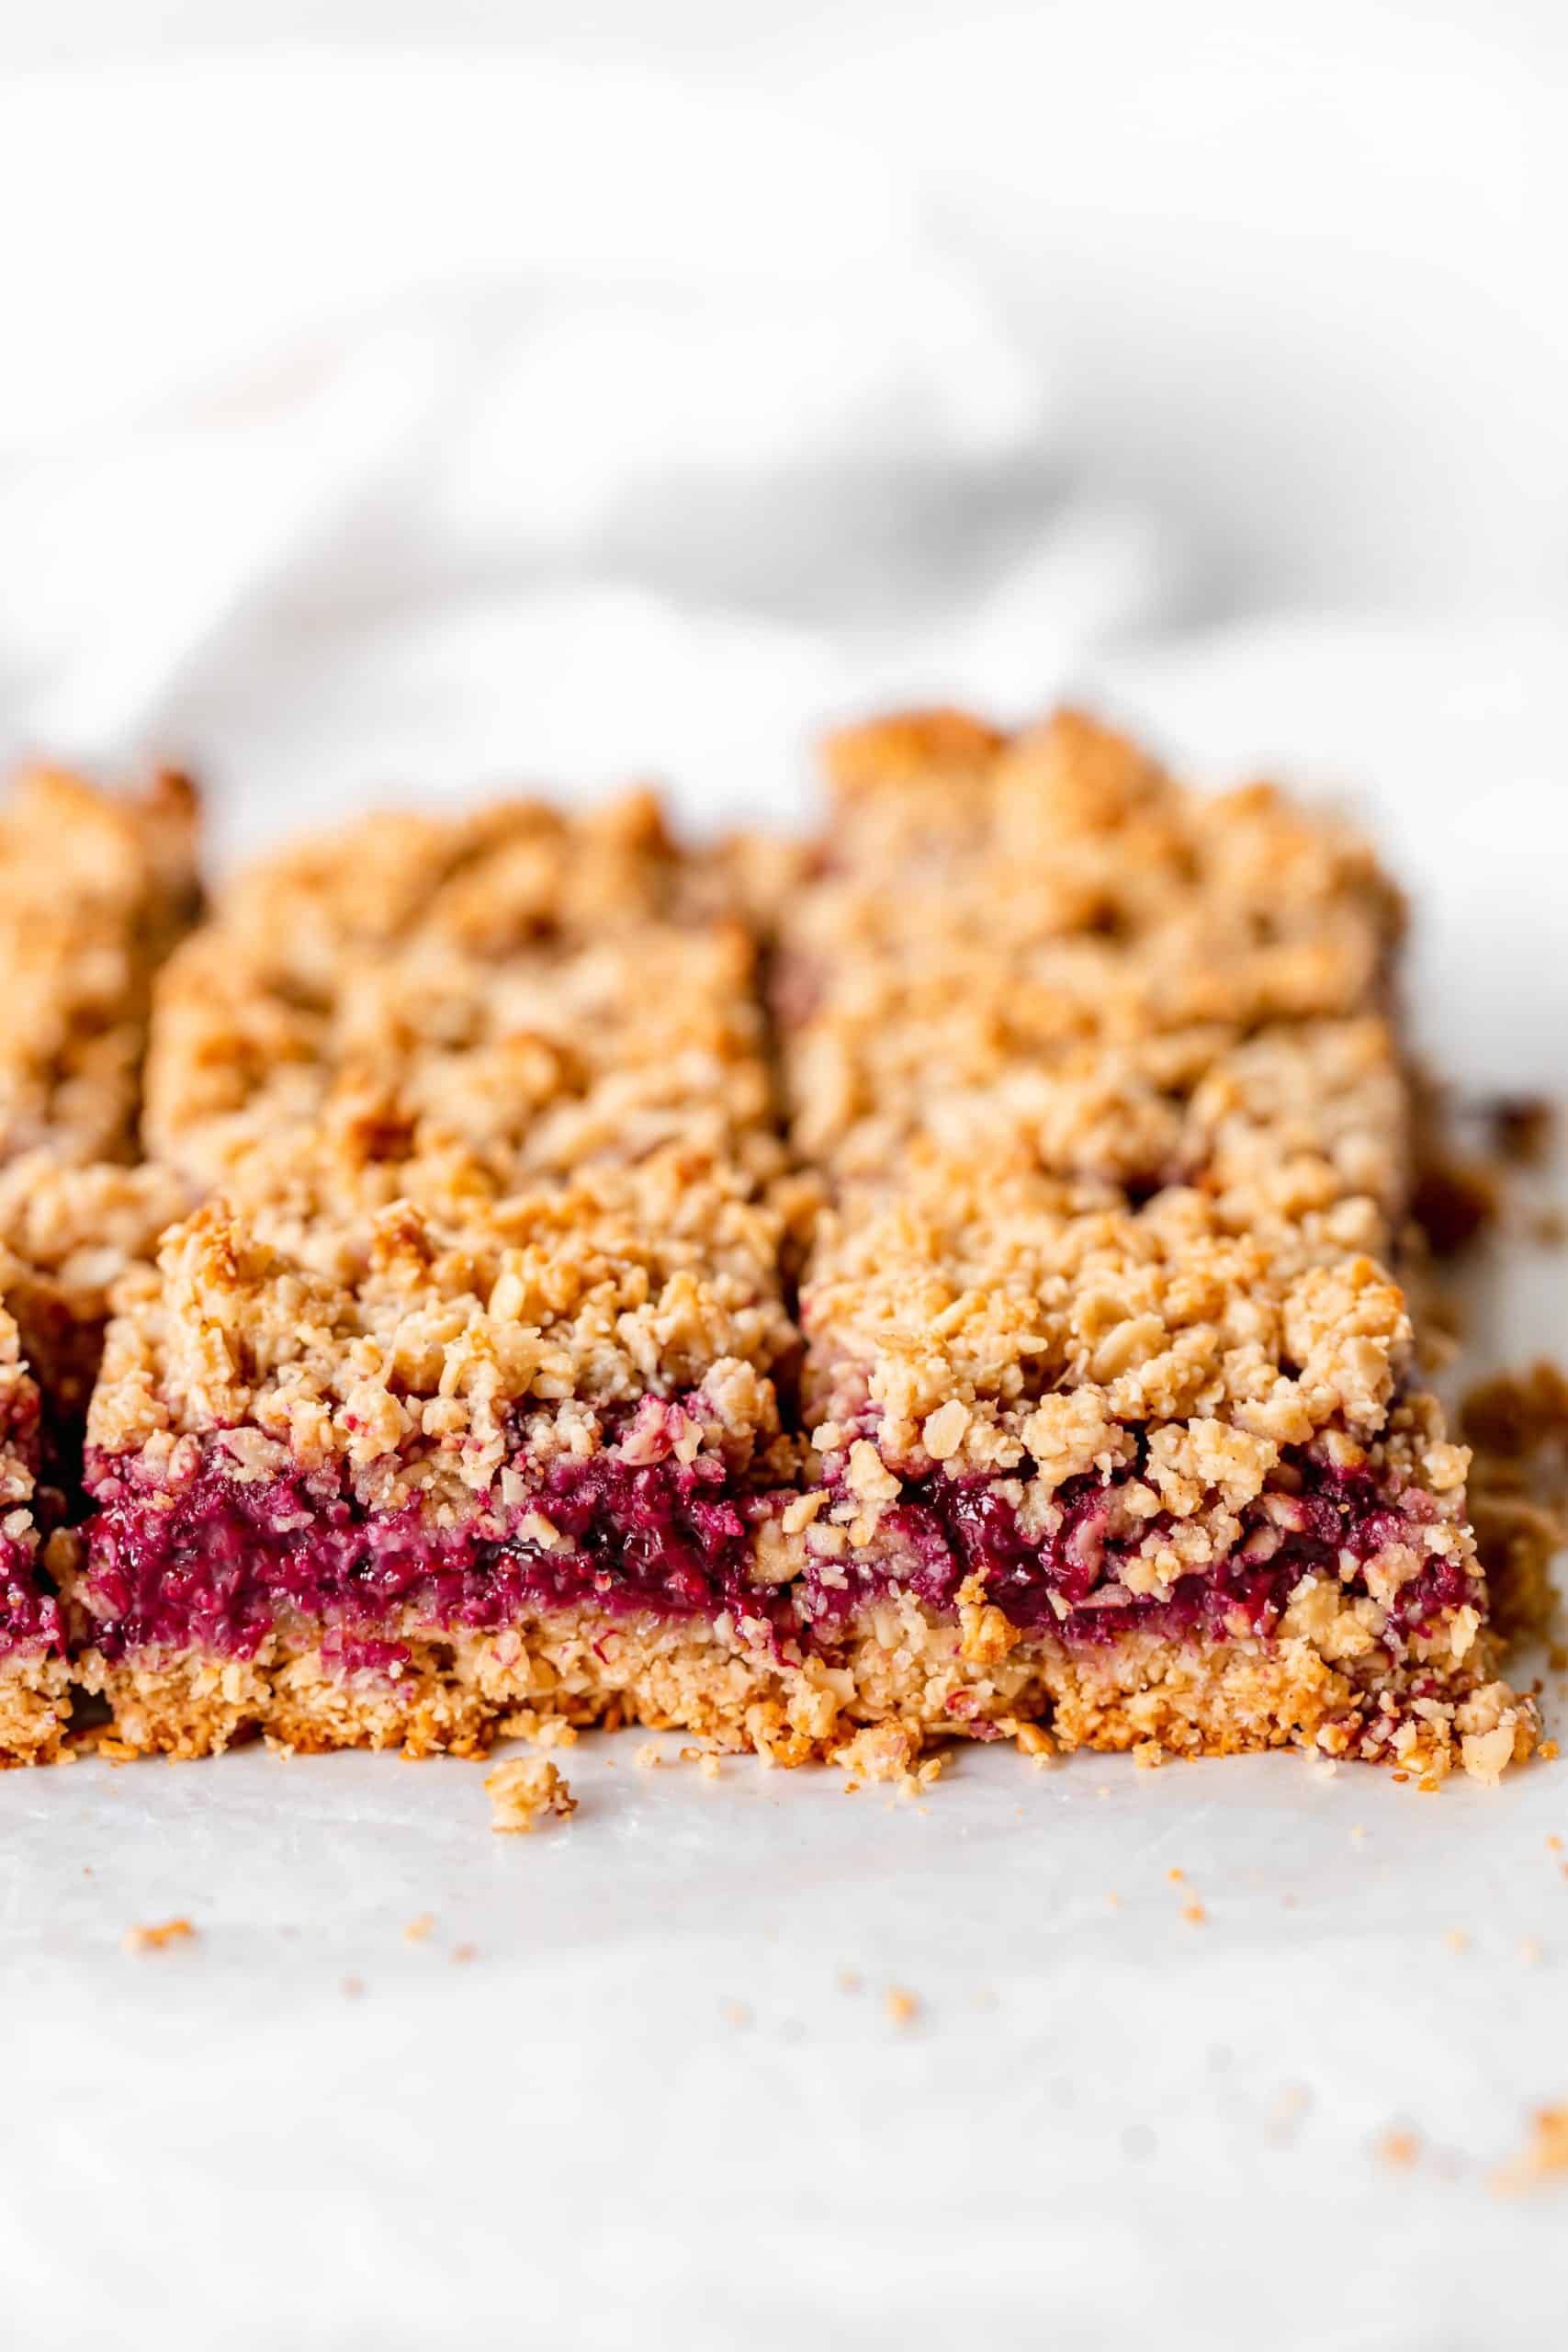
1543	2157
485	1000
526	1793
157	1939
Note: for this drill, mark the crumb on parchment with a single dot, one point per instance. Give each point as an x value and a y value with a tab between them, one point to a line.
1543	2157
524	1793
902	2008
153	1939
419	1929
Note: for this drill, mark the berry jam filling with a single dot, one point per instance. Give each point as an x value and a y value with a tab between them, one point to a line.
29	1617
215	1566
948	1529
214	1560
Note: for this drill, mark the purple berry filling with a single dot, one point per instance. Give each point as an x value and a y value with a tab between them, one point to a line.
213	1564
951	1529
29	1617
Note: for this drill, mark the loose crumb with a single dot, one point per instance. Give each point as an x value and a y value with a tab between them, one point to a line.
1175	1877
647	1758
850	1979
169	1932
737	2014
1148	1755
418	1930
1194	1912
1399	2148
352	1988
708	1768
1357	1834
1522	1127
1458	1940
463	1952
902	2008
1530	1950
1544	2154
527	1791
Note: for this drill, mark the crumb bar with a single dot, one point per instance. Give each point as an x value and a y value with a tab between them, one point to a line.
475	1345
348	1501
1110	1386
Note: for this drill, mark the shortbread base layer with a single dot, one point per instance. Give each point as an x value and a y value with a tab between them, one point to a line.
457	1692
35	1707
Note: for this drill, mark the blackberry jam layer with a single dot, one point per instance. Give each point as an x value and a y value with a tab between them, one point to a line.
30	1616
1084	1578
215	1563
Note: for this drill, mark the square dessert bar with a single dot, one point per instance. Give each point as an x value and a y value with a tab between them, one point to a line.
33	1673
527	1456
1140	1474
458	1398
1110	1386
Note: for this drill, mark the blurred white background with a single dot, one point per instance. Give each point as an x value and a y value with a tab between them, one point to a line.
434	390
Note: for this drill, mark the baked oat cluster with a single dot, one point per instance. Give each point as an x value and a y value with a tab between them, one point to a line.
941	1280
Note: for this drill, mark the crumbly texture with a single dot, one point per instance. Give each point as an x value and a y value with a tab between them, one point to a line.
1042	945
1108	1164
410	1354
527	1793
94	891
1517	1426
421	1004
900	1666
75	1231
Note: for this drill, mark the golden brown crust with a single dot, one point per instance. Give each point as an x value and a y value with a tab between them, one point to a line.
460	1691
